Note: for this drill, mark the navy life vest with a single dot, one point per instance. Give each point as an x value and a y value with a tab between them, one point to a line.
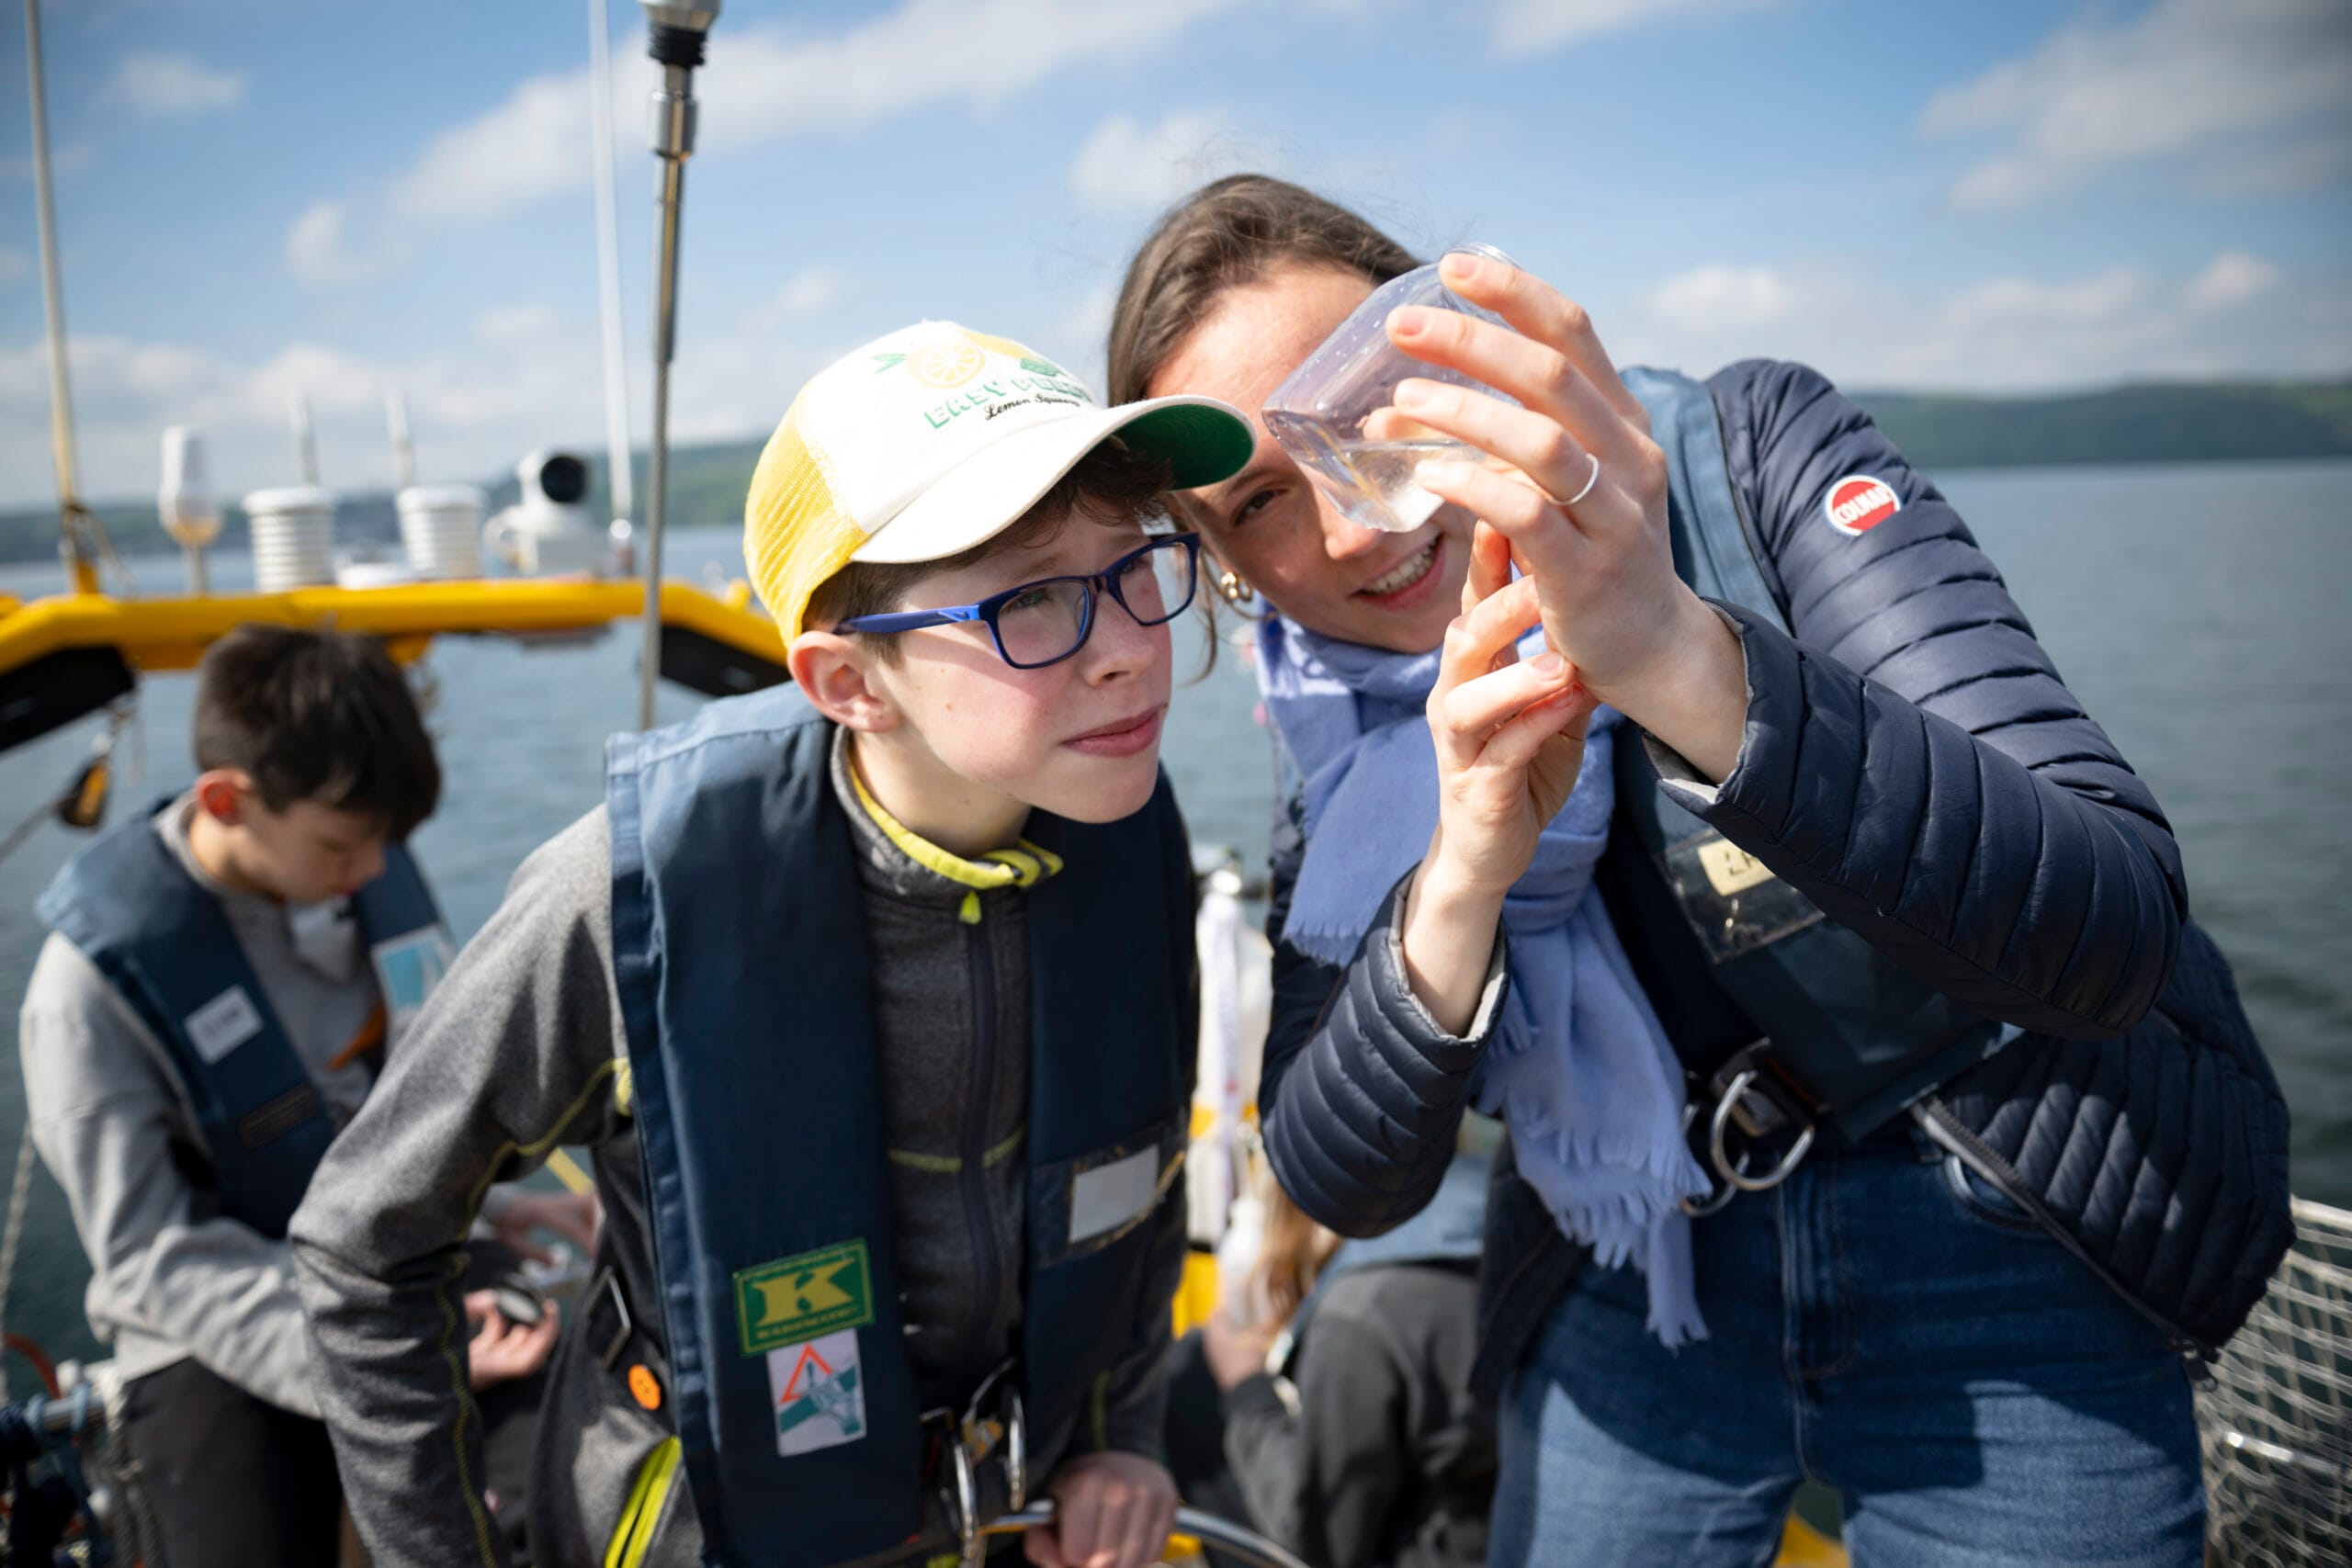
1863	1037
165	945
745	994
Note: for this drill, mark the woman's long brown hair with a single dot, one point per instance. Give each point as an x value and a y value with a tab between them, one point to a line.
1231	232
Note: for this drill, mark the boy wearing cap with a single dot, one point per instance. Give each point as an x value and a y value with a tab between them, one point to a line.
874	1002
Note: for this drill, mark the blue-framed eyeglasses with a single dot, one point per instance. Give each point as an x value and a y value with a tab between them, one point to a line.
1045	622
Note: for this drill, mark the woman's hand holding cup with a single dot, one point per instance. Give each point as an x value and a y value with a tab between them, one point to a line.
1592	538
1510	738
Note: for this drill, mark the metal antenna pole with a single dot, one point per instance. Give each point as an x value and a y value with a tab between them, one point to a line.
676	43
404	445
79	567
620	480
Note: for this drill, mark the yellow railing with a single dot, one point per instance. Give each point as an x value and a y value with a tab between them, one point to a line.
172	633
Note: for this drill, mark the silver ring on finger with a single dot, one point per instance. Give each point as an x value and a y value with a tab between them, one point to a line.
1592	478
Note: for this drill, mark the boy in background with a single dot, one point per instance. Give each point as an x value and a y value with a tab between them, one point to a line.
873	1000
211	1006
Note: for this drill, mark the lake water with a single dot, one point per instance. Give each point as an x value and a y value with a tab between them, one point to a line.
2203	614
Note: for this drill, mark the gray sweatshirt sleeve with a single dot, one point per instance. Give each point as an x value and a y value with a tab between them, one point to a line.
104	1117
515	1053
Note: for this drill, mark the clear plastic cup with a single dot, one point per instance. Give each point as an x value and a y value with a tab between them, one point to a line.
1318	412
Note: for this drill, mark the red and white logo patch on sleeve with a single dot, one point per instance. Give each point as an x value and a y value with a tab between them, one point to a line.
1859	503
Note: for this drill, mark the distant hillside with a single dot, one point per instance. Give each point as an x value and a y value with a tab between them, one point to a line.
2147	423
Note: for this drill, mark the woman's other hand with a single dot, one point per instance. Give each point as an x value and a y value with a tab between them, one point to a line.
1509	739
1236	1351
1594	540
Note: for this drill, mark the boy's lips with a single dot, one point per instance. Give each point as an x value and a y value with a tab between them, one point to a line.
1123	739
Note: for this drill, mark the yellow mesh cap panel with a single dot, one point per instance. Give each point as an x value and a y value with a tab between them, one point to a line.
795	536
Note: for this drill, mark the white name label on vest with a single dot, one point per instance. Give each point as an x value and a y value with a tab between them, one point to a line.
222	1025
407	970
1110	1195
820	1396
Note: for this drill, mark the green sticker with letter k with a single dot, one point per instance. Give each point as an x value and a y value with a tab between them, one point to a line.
798	1298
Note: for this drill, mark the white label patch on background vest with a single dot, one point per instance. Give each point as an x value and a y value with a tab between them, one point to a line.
1859	503
1110	1195
222	1025
407	970
819	1394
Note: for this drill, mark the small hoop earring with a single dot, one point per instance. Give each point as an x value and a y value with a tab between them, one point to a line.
1234	591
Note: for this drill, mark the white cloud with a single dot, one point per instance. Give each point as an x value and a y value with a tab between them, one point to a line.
504	326
765	83
319	251
1127	167
1533	24
161	84
2231	280
807	293
2230	78
533	145
2238	315
1715	296
520	381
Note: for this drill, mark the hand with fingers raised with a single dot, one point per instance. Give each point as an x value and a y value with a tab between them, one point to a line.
1579	489
1510	738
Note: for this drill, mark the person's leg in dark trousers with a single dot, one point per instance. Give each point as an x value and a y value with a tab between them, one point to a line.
234	1482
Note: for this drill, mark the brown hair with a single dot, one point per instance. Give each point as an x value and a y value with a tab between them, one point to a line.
1230	234
1113	483
317	715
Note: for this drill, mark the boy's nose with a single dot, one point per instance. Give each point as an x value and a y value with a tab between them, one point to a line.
1118	644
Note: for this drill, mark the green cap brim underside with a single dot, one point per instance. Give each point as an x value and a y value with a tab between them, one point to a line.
1201	444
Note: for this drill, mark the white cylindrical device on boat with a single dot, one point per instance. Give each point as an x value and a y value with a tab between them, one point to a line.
191	516
185	501
441	529
293	537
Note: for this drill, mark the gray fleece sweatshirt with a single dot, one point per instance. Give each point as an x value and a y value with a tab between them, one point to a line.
521	1050
171	1277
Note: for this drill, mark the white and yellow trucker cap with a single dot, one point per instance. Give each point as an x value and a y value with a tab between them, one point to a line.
935	438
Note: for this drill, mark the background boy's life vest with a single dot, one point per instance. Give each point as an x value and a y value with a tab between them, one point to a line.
745	993
164	944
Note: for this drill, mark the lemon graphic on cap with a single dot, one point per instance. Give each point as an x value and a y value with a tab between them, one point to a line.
1004	345
947	364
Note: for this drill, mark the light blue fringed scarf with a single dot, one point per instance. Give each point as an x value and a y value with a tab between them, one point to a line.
1580	1066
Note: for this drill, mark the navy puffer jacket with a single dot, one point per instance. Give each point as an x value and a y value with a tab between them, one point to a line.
1912	763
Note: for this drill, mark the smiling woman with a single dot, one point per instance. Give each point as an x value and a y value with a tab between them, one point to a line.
1781	906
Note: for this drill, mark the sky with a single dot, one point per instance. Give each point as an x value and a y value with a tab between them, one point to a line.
257	198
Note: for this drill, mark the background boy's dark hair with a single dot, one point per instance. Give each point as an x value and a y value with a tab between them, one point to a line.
1110	482
316	715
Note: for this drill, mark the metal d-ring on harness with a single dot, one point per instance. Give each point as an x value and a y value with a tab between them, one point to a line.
1746	1096
994	1428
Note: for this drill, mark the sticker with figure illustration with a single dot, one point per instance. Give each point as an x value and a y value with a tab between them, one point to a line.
820	1398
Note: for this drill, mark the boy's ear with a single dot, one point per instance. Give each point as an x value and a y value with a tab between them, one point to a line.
221	792
836	674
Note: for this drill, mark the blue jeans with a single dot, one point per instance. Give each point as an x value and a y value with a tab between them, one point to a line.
1884	1325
